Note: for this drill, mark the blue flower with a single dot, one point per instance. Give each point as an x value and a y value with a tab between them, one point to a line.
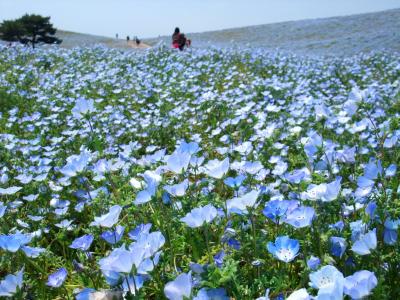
365	243
360	284
109	219
179	288
57	278
113	237
329	282
141	229
299	295
216	169
313	263
178	162
390	231
235	182
284	249
177	190
211	294
9	285
133	283
82	243
338	246
276	209
240	204
200	215
219	258
338	226
12	242
32	251
300	217
121	260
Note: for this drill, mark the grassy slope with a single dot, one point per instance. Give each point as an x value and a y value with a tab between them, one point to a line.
337	35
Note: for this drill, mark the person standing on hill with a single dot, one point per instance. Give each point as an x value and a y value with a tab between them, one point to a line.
179	40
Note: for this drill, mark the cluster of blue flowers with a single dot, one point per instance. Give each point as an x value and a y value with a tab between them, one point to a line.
209	174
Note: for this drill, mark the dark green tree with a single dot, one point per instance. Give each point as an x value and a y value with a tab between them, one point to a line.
29	29
11	31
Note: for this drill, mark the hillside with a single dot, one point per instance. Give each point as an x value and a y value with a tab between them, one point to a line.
337	35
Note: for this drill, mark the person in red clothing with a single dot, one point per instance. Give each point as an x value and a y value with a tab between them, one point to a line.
179	40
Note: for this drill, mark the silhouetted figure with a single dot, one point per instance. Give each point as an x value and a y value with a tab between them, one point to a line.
179	40
137	41
116	36
127	38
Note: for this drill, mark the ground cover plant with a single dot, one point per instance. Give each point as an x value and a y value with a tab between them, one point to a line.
206	174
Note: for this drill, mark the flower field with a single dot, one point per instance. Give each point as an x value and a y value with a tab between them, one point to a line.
206	174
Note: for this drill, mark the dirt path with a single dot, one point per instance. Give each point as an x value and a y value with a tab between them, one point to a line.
142	45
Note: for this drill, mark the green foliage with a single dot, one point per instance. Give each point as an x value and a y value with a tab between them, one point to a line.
29	29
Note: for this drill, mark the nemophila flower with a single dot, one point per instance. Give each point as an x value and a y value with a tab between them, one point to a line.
177	190
178	161
211	294
390	142
313	263
12	242
109	219
82	243
276	209
284	248
365	183
141	229
299	295
298	176
235	182
32	251
252	168
113	237
300	217
82	107
133	284
391	170
347	155
56	279
148	243
10	284
338	246
120	260
370	209
200	215
76	163
365	243
325	192
216	168
10	191
240	204
148	264
219	258
179	288
360	284
339	225
390	231
357	229
329	282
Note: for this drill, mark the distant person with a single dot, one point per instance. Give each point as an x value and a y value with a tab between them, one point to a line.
127	38
137	41
116	36
179	40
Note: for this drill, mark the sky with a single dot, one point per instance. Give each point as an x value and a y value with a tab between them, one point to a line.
151	18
